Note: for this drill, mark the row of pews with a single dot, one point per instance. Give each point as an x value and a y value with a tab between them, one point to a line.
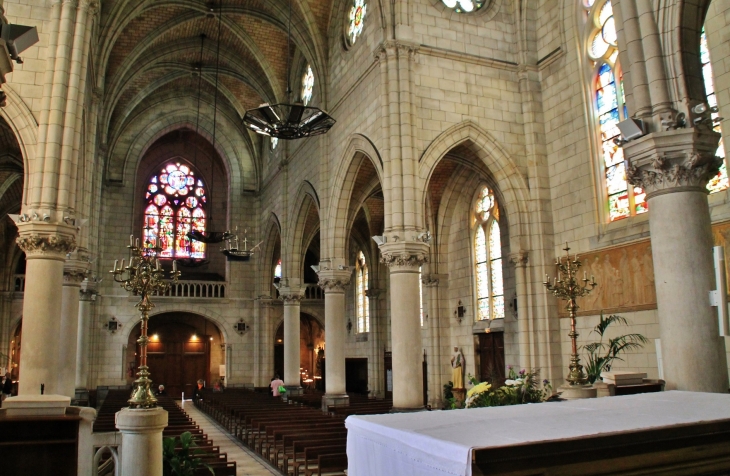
178	423
295	436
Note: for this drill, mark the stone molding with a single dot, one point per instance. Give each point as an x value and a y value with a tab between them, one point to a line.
390	47
519	258
51	241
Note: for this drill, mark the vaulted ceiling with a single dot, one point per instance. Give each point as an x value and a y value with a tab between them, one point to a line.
149	56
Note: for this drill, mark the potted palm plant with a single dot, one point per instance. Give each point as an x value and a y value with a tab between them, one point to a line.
601	354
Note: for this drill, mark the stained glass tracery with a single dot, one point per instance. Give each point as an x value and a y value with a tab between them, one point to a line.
488	257
465	6
610	108
361	300
720	181
307	85
357	17
175	206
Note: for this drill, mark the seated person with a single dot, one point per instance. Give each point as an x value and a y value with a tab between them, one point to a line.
160	390
198	390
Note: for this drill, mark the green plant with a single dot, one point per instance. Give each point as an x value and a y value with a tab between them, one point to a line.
602	354
183	461
519	388
448	387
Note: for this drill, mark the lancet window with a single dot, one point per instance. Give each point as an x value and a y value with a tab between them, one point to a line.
307	85
175	205
420	292
277	270
720	181
362	303
488	258
622	199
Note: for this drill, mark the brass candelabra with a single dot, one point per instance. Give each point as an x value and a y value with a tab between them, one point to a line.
143	277
568	288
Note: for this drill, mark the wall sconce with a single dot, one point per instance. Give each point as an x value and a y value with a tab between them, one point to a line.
113	325
241	327
460	312
349	326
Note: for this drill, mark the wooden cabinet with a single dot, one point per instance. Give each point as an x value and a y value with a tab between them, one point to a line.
39	446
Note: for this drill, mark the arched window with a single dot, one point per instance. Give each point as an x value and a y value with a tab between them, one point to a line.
622	200
277	270
488	258
720	181
420	292
175	205
357	17
307	85
362	303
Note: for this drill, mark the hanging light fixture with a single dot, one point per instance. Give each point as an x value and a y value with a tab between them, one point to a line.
288	121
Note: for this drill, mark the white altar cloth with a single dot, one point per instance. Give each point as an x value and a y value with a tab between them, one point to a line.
440	443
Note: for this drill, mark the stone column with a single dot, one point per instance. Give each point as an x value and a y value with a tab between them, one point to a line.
674	168
263	340
292	297
45	246
519	259
334	282
376	343
141	440
74	273
432	325
404	259
87	296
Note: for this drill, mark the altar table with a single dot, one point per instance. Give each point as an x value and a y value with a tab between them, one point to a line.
444	442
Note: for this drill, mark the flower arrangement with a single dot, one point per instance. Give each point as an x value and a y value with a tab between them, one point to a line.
519	388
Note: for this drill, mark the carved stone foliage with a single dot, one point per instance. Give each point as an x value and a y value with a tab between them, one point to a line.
404	259
39	244
519	258
290	298
692	169
74	276
333	284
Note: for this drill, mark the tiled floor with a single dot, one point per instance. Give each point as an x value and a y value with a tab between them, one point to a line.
247	463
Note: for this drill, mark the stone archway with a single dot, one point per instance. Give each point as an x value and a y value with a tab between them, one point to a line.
183	348
311	350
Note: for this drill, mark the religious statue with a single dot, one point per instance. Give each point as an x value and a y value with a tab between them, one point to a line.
457	365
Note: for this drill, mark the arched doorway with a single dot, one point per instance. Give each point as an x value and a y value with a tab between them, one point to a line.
183	348
311	351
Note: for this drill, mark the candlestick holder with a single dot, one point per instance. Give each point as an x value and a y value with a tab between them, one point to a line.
568	288
143	277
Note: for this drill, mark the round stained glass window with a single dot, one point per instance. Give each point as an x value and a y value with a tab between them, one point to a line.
307	85
177	180
357	16
464	6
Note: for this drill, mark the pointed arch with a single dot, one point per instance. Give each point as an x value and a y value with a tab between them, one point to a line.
25	127
272	238
508	179
306	198
358	149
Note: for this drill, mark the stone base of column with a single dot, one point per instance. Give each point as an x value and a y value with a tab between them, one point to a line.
36	405
575	392
342	400
141	440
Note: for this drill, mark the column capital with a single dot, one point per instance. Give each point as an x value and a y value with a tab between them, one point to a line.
432	280
75	271
265	301
334	280
87	294
404	254
46	240
291	295
519	259
673	161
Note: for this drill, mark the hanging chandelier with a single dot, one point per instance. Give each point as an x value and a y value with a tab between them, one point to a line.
288	121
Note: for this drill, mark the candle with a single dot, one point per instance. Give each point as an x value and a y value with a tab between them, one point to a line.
115	264
122	266
174	266
585	276
131	240
158	264
136	243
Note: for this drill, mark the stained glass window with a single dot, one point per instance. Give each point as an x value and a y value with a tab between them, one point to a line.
420	292
277	270
357	16
175	205
488	257
720	181
274	142
610	109
307	85
362	303
465	6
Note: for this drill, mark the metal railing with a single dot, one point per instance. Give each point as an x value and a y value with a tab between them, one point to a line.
313	291
197	289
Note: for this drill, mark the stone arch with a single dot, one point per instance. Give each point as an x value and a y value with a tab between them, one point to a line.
269	247
205	313
508	179
359	148
306	197
25	127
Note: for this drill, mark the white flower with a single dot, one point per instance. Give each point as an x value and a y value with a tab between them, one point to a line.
509	382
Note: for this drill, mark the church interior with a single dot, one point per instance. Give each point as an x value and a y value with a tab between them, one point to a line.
350	193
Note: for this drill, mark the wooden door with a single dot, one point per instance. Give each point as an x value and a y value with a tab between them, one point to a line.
425	379
491	357
178	364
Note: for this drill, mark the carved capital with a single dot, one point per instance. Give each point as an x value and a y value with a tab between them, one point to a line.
46	240
87	295
74	276
404	254
330	285
519	258
291	295
430	280
334	280
672	161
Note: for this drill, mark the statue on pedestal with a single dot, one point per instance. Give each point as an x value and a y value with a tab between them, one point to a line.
457	365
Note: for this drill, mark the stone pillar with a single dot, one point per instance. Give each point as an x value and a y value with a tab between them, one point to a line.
674	168
404	260
519	259
141	440
334	282
432	325
87	296
376	341
73	274
263	343
45	246
292	297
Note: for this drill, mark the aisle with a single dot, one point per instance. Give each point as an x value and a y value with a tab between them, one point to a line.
247	463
